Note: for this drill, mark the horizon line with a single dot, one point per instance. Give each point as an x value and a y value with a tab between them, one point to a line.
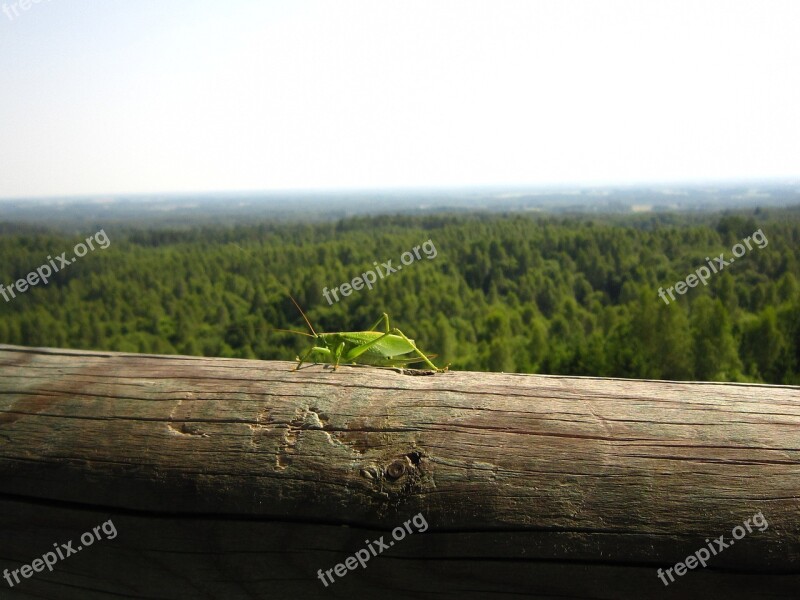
784	180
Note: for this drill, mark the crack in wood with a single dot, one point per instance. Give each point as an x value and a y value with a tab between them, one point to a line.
259	430
304	419
180	420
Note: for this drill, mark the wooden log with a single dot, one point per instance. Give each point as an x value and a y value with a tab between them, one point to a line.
242	479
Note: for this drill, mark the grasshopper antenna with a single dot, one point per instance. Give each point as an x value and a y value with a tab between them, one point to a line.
293	331
304	316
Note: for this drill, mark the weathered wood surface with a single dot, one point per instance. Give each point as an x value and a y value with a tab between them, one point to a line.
240	479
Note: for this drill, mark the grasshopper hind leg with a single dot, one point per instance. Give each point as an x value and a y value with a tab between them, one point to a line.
422	357
385	318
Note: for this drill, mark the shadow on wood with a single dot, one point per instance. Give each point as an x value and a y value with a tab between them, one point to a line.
240	479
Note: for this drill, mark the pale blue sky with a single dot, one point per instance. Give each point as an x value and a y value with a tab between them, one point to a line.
128	96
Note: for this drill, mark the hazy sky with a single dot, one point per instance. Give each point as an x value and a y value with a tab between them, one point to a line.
103	97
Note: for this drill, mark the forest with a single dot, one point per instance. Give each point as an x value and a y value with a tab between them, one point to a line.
516	292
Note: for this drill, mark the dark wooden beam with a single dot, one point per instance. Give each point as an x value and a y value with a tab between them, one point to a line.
241	479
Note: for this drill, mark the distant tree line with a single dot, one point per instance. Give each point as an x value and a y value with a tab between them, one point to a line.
516	293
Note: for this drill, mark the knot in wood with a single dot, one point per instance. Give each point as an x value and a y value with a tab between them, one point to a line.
396	470
370	472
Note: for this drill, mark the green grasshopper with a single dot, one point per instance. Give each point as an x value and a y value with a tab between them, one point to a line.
369	347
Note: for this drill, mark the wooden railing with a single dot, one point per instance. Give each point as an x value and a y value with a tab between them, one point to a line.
244	479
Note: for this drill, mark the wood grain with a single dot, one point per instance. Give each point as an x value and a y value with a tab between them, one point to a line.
240	479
